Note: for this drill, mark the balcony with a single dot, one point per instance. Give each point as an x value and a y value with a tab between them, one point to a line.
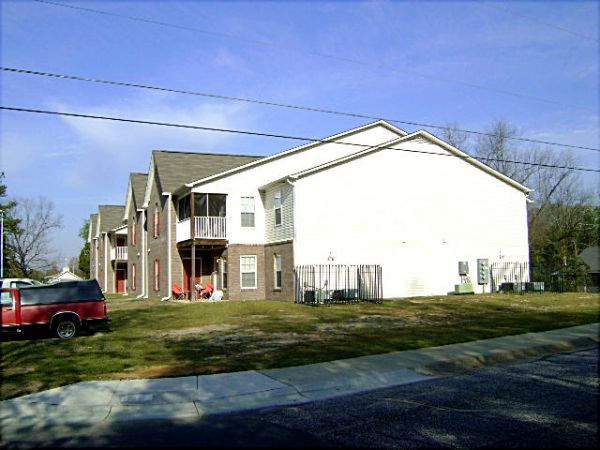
118	254
205	227
210	227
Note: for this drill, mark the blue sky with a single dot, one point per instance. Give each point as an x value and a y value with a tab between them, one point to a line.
416	60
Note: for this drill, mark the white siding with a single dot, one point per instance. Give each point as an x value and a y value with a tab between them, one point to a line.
285	231
415	214
246	183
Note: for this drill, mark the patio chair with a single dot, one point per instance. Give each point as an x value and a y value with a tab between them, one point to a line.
178	292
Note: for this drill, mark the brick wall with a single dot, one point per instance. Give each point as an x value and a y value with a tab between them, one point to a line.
234	291
157	246
134	252
286	251
101	256
93	260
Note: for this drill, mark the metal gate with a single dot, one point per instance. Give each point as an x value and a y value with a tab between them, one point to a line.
508	272
326	284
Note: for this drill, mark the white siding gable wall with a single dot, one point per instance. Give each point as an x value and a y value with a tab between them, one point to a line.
285	231
247	182
415	214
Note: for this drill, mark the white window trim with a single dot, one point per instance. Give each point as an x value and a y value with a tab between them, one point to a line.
247	212
275	208
255	273
275	287
223	272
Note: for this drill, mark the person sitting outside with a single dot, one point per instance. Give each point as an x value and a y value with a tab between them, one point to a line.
198	288
207	291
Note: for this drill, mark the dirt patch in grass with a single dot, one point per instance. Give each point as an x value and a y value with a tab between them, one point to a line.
159	372
187	332
153	339
11	371
298	316
365	321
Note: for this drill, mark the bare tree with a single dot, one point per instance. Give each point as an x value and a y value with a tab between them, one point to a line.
31	239
562	219
534	167
452	134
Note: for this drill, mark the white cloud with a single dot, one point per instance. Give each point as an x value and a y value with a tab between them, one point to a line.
82	163
111	149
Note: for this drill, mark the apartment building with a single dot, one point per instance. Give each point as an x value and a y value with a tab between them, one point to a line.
108	249
411	203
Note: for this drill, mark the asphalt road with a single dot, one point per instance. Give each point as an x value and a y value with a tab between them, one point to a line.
548	403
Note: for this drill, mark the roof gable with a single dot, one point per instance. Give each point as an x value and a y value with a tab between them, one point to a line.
174	169
336	137
111	217
138	185
418	135
135	192
591	256
93	227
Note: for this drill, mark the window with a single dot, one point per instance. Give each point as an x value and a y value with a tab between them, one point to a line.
248	271
7	298
183	208
213	205
224	266
247	211
133	277
277	207
156	275
156	223
133	236
277	269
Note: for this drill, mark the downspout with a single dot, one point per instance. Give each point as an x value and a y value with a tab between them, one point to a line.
105	261
287	180
169	277
146	251
143	253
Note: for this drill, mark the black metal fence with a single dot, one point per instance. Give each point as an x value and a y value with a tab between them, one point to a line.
509	276
327	284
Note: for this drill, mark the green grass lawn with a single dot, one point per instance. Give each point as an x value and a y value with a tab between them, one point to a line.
162	339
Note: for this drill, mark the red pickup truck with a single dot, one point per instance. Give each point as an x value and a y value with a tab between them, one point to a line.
62	307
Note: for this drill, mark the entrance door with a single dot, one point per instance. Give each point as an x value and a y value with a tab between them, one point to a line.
121	275
188	283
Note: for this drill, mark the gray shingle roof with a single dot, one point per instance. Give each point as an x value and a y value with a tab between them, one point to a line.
591	256
111	217
138	185
174	169
93	223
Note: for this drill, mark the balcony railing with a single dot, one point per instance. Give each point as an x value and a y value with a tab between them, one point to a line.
205	227
210	227
118	254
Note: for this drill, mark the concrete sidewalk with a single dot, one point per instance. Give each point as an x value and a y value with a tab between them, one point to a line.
96	401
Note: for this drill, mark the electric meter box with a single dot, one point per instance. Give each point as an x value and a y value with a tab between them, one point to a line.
483	271
463	268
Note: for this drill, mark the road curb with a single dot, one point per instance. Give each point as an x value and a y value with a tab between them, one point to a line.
459	358
129	400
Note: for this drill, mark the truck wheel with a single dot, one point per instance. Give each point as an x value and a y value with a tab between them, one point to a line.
65	328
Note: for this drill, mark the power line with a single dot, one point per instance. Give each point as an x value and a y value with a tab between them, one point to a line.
535	19
309	52
280	136
282	105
